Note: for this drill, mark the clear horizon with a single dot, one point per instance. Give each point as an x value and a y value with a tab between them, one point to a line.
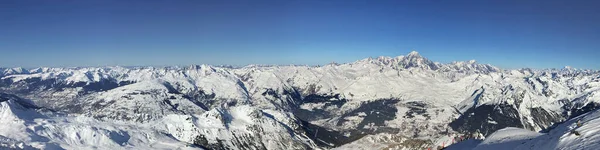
507	34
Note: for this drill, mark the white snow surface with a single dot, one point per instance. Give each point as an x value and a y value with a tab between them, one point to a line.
558	138
27	128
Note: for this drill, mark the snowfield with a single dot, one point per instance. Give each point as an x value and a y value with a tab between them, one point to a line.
404	102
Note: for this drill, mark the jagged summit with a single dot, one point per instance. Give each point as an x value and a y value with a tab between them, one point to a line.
203	69
203	66
414	60
411	60
194	67
414	54
569	68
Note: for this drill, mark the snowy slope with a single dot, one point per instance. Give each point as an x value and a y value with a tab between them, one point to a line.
560	137
507	138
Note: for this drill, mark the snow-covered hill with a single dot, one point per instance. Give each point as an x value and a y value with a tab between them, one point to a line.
400	102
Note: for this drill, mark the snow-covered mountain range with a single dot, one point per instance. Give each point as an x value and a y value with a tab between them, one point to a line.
404	102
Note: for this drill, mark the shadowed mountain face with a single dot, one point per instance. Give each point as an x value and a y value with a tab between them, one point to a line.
487	119
22	102
382	100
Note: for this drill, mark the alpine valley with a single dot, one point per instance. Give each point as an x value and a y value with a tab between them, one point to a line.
404	102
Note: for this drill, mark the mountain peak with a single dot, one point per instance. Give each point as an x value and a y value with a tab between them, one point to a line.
415	60
413	54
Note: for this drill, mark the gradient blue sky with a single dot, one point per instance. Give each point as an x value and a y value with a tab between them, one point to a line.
508	34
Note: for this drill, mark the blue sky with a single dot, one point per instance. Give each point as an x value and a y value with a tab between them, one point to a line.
508	34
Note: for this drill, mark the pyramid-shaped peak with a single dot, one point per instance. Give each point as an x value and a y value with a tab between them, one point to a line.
415	60
413	53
